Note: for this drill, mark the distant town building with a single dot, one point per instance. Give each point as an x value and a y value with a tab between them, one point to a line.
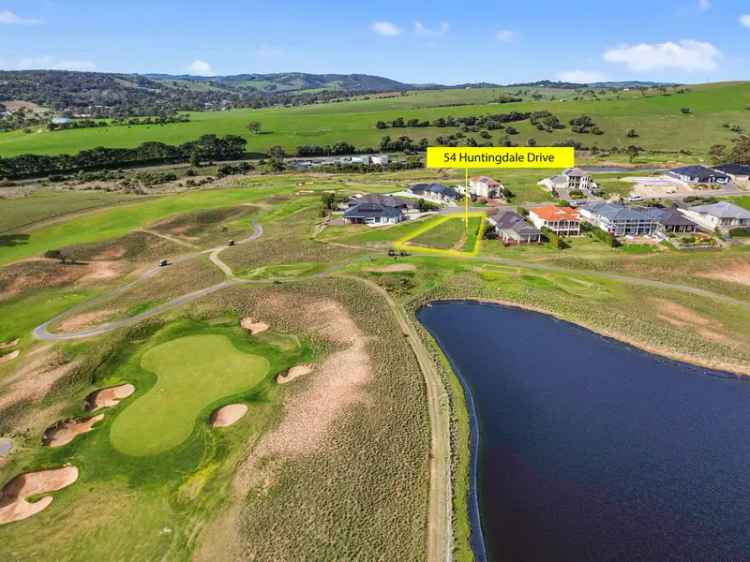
699	174
563	221
723	216
380	160
512	228
60	120
485	187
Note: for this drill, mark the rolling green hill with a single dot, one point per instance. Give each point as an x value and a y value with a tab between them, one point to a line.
658	119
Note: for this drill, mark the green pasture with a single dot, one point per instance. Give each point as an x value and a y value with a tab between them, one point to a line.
658	119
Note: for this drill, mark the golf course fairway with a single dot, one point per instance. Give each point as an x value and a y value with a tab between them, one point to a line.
193	372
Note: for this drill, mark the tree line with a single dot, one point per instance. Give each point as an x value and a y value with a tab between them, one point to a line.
207	147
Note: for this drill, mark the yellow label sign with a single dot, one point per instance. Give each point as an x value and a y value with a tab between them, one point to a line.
500	157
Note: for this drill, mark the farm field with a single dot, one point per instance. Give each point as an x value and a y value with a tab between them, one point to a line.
328	299
657	119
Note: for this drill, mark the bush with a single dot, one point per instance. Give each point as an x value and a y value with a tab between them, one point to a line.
740	232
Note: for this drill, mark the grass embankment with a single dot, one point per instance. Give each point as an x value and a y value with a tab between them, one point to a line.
658	120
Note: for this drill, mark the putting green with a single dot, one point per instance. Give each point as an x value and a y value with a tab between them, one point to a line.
193	372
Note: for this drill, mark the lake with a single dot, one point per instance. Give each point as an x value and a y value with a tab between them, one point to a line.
592	450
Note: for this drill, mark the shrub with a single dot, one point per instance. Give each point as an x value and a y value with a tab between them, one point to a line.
739	232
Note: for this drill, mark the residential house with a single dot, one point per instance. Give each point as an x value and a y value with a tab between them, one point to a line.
723	215
512	228
435	192
485	187
374	214
563	221
380	160
572	179
673	221
621	220
738	172
699	174
385	200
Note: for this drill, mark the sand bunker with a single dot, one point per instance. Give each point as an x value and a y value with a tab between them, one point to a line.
84	320
108	397
395	268
734	273
13	504
683	317
228	415
9	357
294	373
9	344
254	327
65	431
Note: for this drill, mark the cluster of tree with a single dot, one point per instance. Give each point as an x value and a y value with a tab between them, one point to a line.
504	98
609	239
739	153
234	169
546	121
207	147
584	125
119	121
338	149
148	178
490	122
555	240
403	144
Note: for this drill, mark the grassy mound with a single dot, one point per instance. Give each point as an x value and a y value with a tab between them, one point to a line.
193	372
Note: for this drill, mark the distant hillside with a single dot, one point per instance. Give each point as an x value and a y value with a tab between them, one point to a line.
632	84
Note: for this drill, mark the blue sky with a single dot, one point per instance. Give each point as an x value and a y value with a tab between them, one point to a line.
413	41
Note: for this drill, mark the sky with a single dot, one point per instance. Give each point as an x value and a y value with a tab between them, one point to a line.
414	41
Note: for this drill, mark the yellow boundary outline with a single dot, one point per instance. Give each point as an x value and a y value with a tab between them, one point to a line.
403	243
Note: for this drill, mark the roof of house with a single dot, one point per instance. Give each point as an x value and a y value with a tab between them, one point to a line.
434	188
735	169
486	179
510	220
372	210
618	212
672	217
375	199
722	210
700	172
554	213
575	173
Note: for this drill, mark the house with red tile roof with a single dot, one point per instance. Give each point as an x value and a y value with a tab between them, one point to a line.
563	221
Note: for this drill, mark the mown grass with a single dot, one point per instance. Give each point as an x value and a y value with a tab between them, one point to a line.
43	205
658	120
118	221
191	372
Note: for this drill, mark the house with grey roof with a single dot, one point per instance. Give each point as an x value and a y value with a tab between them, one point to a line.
374	214
723	215
622	220
699	174
738	172
573	179
512	228
385	200
435	192
672	221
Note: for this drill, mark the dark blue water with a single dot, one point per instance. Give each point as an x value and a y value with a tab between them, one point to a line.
592	450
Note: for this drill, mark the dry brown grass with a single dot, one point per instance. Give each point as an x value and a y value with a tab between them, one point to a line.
733	272
682	317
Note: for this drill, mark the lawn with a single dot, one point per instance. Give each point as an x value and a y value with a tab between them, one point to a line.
118	221
43	205
192	373
447	233
658	120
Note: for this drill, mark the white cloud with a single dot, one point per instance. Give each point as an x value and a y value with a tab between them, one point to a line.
704	5
688	55
201	68
745	20
506	36
581	76
423	31
48	63
385	28
11	18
